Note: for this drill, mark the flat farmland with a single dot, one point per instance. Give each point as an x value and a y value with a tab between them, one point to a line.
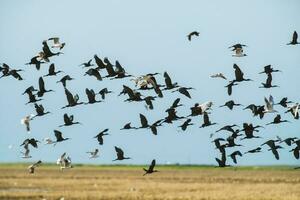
128	182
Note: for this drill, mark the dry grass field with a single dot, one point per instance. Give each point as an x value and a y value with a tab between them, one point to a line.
124	183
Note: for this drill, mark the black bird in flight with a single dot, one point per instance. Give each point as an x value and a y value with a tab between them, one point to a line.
284	102
222	162
172	116
64	80
229	87
68	120
234	155
47	52
42	89
277	120
227	128
120	154
109	68
87	64
237	46
256	150
194	33
51	71
268	69
91	96
104	92
217	142
230	104
294	39
59	137
120	71
148	100
33	142
127	127
99	63
184	91
72	100
168	82
31	96
287	141
273	147
100	136
175	104
206	121
95	73
150	170
186	124
36	62
268	83
239	75
40	111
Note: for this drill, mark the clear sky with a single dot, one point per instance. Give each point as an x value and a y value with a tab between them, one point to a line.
148	36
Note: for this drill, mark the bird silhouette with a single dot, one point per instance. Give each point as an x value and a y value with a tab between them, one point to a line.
256	150
184	91
72	99
64	80
52	72
35	61
206	121
103	92
91	96
87	64
95	73
277	120
273	147
100	136
239	75
40	111
268	83
151	169
284	102
186	124
169	84
191	34
100	64
127	127
47	52
234	154
120	154
59	137
268	70
42	89
31	168
294	39
230	104
68	120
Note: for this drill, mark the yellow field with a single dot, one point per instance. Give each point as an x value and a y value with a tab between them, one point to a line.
91	182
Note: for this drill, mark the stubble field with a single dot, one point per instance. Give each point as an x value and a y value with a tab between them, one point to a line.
128	182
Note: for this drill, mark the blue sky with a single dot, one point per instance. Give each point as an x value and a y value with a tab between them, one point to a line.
148	36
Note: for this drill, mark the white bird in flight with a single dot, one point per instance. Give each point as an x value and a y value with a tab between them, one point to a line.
26	121
269	105
218	75
93	154
57	44
64	161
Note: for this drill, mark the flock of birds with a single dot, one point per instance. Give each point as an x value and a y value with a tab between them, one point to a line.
148	82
